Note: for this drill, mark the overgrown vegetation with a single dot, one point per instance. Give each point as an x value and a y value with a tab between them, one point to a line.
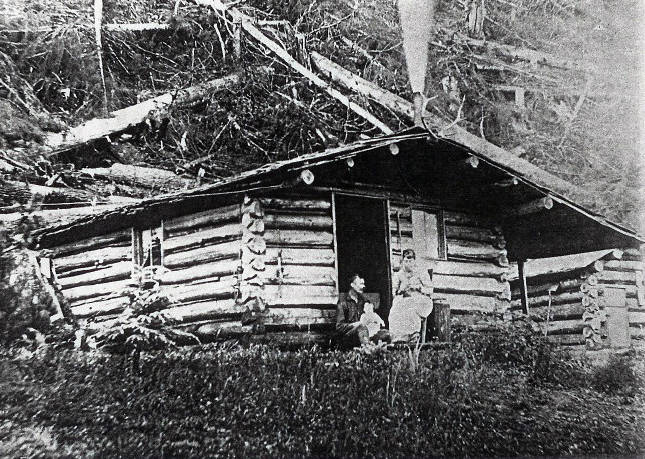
580	123
488	394
143	326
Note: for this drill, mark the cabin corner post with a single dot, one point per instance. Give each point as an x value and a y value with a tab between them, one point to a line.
251	294
591	316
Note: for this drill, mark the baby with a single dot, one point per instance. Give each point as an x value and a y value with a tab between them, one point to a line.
371	320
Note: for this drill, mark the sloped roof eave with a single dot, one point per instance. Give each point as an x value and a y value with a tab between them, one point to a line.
492	155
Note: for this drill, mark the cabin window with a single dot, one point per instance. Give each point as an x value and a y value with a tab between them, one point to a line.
427	234
147	252
417	228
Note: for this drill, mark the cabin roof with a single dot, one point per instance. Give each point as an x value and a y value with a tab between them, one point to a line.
274	175
561	264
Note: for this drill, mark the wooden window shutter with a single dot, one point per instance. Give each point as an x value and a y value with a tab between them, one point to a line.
427	234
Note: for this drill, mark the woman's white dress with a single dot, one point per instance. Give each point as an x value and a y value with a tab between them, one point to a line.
412	302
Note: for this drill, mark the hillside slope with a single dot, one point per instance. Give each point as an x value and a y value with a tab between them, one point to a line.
579	117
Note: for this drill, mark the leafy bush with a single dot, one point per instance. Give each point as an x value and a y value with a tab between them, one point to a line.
143	326
24	304
617	376
257	401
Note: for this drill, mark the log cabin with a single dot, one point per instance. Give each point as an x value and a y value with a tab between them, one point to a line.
592	299
267	252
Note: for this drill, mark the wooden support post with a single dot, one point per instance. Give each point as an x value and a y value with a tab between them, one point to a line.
237	37
440	321
334	229
519	97
523	289
303	53
253	256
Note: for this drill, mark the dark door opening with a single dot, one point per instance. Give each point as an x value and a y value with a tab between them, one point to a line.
361	235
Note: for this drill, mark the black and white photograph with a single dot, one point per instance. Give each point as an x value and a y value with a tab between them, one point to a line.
322	228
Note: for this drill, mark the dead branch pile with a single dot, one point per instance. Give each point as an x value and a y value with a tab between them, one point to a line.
506	74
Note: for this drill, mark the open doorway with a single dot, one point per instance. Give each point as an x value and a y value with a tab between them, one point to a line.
361	235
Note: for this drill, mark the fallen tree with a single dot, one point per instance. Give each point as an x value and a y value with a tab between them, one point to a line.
146	177
134	115
247	24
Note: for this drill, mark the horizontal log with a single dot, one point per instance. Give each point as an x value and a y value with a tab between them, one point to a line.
206	310
621	265
298	238
636	315
531	207
514	53
298	316
292	339
301	256
83	245
556	298
273	299
13	193
133	115
220	331
469	303
117	271
110	306
211	253
557	312
533	290
637	333
452	218
215	290
104	297
296	204
477	286
69	265
301	275
188	223
94	290
620	277
469	233
216	269
632	254
563	327
575	284
400	212
134	27
468	269
473	250
204	237
401	226
304	222
575	339
145	177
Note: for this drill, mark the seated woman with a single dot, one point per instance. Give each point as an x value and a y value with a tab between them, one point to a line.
412	299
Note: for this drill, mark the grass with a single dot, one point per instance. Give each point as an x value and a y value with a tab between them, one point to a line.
491	396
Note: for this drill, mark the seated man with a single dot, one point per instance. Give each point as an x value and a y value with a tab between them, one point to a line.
351	332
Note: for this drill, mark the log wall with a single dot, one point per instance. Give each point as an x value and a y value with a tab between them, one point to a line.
300	280
626	273
200	269
94	275
473	274
569	305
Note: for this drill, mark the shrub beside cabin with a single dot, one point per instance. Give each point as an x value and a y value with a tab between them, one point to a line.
267	252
